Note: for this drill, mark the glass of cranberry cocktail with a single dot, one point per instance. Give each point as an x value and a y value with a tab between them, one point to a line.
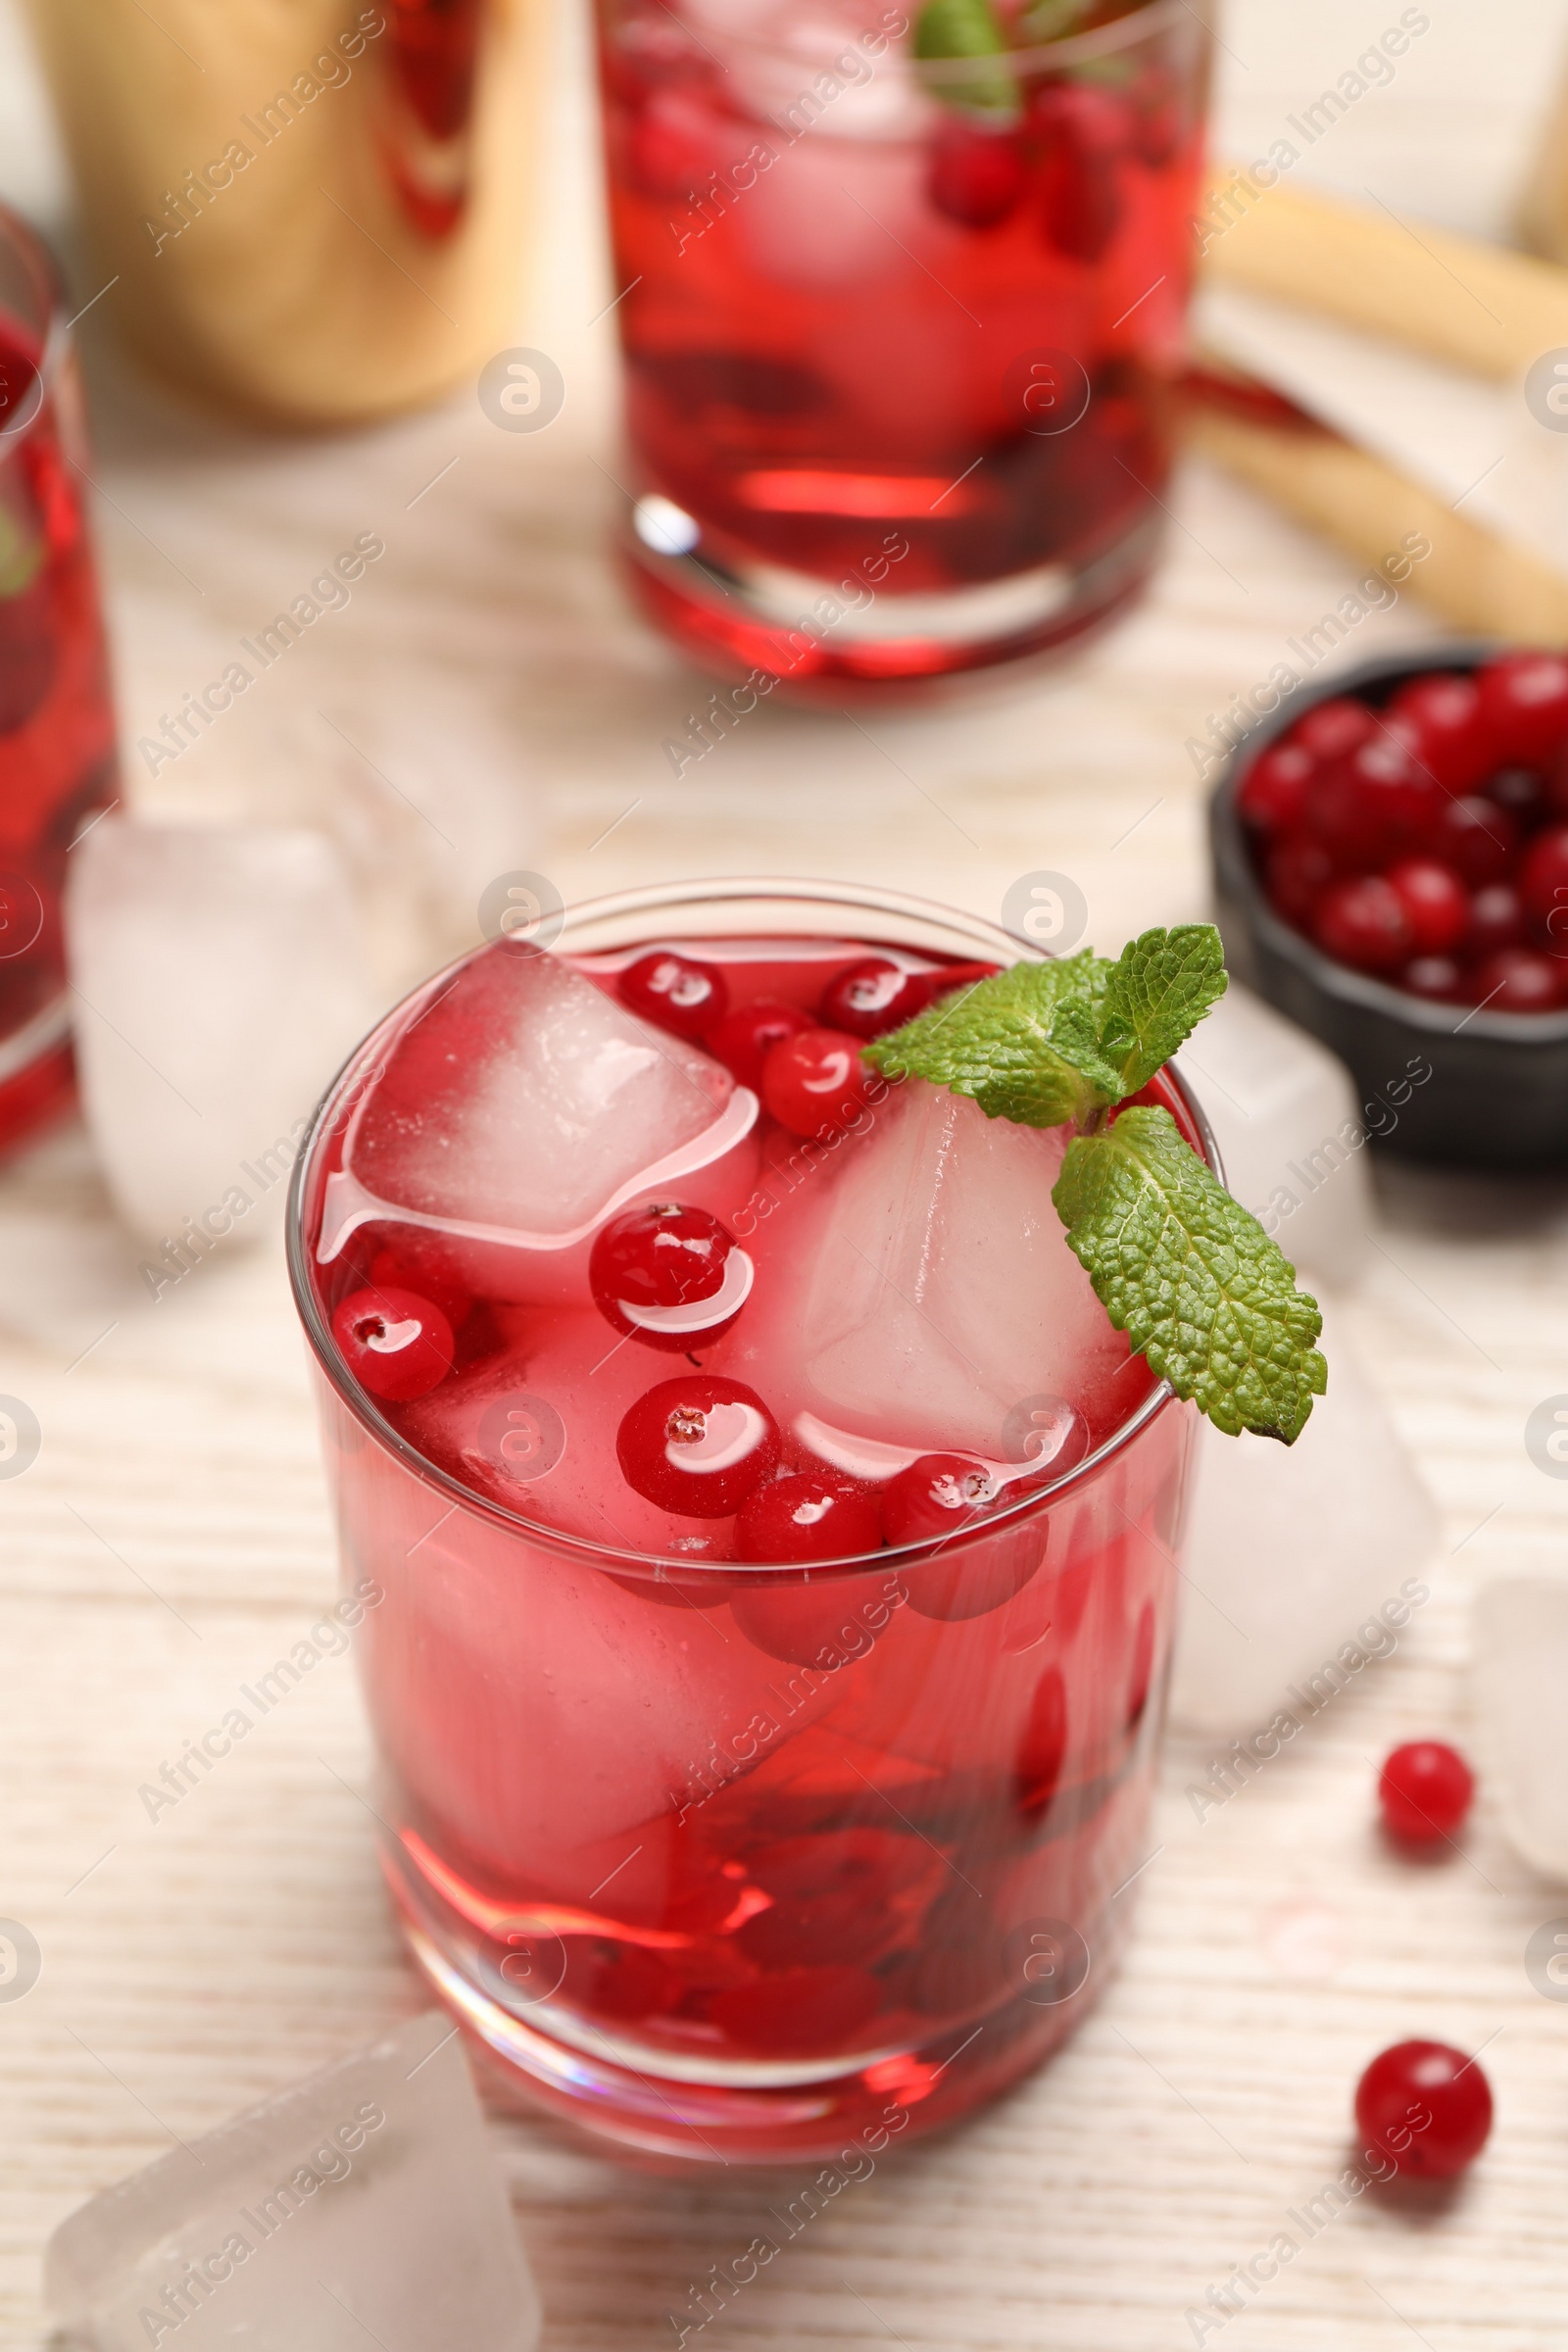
900	325
57	732
765	1538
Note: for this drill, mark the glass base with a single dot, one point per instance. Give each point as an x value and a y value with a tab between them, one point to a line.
528	2060
736	618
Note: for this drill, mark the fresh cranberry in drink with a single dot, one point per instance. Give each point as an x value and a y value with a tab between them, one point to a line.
698	1446
815	1081
808	1517
744	1037
937	1495
1427	2107
1425	1790
1084	133
397	1345
676	992
874	997
978	173
669	1276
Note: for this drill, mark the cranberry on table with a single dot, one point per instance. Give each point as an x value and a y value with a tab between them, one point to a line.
1427	2106
1296	874
744	1037
1335	728
808	1517
669	1276
1363	922
1496	919
1425	1790
1519	980
873	997
1441	978
1524	706
976	175
1544	886
815	1081
1435	901
1442	713
1273	791
698	1446
675	991
1477	837
397	1345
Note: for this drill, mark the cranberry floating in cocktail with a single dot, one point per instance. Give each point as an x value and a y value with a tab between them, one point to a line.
902	296
775	1530
57	734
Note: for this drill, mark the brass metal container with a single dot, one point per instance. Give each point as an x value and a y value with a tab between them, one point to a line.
312	210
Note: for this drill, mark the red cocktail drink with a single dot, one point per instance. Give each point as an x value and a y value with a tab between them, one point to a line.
57	736
767	1541
900	332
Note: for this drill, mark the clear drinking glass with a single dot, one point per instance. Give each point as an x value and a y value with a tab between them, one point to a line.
738	1862
57	728
900	338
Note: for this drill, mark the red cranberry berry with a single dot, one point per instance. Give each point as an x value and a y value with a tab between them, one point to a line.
797	2012
1297	873
1425	1791
808	1517
938	1496
1496	920
976	176
1524	707
872	998
1335	730
1443	716
1159	119
743	1038
397	1345
1477	837
1435	901
1273	791
698	1446
1543	887
1521	792
1519	980
1440	978
669	146
669	1276
1083	130
1373	804
815	1081
1427	2106
676	992
1362	922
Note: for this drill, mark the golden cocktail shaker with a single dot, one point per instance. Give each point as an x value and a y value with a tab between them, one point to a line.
312	211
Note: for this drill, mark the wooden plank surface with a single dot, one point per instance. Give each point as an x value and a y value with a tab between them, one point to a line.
174	1534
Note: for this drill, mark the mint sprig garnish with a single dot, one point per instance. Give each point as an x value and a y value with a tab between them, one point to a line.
967	28
1177	1263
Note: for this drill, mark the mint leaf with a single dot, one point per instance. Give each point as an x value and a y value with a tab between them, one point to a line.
1024	1044
1191	1276
966	28
1155	996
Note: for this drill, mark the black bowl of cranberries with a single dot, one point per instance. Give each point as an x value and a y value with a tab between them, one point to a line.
1390	865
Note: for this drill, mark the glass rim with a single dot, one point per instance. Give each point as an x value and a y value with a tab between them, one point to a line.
52	329
1141	23
616	905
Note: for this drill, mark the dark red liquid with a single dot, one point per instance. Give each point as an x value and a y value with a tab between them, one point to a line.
57	758
916	362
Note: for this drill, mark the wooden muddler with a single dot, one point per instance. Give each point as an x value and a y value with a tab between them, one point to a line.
1475	305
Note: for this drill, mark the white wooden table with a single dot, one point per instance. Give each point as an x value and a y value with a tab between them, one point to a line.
173	1537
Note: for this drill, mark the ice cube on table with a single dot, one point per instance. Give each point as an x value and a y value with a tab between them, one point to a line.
518	1107
1291	1550
927	1288
361	2207
1286	1121
1519	1638
219	978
